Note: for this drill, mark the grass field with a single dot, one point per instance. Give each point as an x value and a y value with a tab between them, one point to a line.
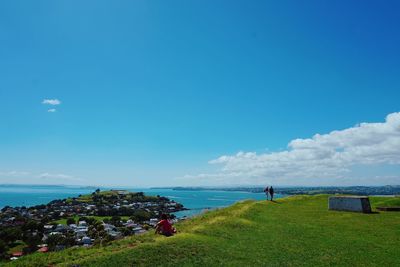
295	231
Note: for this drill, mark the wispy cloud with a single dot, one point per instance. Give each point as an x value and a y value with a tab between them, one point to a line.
52	110
331	155
52	102
32	176
58	177
14	173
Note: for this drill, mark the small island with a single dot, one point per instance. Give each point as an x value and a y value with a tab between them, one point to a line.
85	220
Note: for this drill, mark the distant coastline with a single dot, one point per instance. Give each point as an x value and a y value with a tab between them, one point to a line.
284	190
303	190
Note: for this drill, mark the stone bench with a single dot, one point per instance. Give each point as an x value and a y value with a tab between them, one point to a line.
350	203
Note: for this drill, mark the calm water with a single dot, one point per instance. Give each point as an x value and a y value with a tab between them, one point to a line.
196	201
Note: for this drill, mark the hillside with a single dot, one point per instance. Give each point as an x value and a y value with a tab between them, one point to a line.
290	232
85	220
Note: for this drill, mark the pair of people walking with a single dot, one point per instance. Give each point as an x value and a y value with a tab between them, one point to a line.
269	191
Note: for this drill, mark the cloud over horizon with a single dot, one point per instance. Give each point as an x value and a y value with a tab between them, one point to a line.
32	177
324	156
14	173
58	177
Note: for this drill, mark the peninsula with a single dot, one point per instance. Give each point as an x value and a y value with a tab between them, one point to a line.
85	220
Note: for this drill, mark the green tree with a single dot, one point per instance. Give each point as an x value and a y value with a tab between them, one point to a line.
125	231
3	250
96	230
32	241
141	215
9	235
116	221
69	239
54	240
70	221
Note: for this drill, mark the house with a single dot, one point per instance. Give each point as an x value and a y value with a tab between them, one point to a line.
43	249
108	227
17	254
48	227
114	234
112	230
153	221
86	240
80	231
55	233
61	228
138	230
131	224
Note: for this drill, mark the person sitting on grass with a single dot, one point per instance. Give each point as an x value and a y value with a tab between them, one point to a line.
164	227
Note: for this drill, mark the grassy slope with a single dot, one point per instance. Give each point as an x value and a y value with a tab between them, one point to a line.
294	231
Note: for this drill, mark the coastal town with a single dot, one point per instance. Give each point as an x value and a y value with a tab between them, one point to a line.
85	220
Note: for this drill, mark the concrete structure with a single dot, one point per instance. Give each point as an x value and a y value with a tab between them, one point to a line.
350	203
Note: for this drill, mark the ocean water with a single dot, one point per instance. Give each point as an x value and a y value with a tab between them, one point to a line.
195	201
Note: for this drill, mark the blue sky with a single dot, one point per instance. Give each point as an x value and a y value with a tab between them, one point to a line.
156	92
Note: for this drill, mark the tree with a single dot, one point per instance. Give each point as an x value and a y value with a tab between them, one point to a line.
32	226
116	221
96	230
69	239
54	240
70	221
9	235
66	240
32	241
3	249
140	216
125	231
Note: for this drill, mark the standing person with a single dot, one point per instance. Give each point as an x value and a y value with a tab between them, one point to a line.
271	192
266	190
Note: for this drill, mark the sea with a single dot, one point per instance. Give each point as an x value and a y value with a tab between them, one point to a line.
195	201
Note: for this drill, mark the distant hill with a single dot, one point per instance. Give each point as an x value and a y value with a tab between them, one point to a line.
305	190
294	231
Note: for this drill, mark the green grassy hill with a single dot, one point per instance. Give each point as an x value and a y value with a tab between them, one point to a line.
295	231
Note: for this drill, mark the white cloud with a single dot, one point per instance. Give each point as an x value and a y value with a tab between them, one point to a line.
52	110
49	175
24	177
57	177
14	173
331	155
53	102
